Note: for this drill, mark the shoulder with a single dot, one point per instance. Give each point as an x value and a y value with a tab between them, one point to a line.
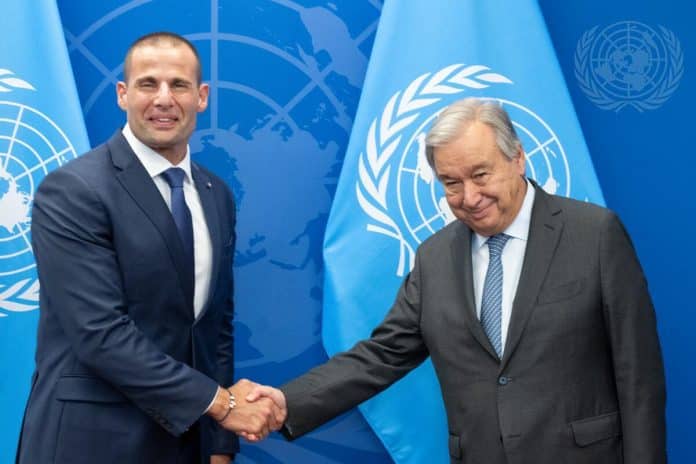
582	220
86	169
443	239
88	182
573	210
71	196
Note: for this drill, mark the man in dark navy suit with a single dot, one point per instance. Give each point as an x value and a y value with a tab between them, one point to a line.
134	245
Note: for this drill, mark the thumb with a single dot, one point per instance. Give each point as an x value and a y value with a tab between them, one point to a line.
254	394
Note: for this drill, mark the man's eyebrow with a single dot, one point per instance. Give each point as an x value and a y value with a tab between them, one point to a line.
472	169
145	79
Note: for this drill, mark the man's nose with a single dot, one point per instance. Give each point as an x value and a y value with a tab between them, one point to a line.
164	95
470	195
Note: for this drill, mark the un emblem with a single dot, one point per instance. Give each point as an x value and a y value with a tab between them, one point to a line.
397	188
31	145
628	64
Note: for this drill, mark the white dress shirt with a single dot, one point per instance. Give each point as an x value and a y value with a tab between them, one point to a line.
155	164
512	259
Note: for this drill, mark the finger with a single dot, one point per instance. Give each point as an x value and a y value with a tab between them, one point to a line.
276	413
242	388
268	392
278	397
252	436
258	424
254	395
267	411
278	416
274	418
260	391
265	430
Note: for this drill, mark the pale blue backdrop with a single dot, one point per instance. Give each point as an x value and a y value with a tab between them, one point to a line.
286	78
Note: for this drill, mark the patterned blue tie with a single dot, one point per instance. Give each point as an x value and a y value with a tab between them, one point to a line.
180	211
492	300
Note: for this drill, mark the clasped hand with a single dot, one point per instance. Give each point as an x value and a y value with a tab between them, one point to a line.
259	410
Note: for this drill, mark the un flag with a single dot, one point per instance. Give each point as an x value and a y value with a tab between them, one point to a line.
427	54
41	128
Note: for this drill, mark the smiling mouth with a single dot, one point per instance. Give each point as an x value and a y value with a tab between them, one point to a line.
163	122
481	212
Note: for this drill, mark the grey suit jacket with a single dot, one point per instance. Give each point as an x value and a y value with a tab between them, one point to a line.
581	379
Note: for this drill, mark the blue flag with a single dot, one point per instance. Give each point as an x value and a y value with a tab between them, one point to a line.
428	54
41	128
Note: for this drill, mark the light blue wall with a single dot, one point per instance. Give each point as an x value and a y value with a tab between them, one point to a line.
286	79
647	169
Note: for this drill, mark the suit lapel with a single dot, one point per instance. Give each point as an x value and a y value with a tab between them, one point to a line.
138	183
207	196
544	232
464	281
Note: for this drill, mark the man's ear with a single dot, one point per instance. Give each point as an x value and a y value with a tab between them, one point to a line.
122	95
203	92
520	161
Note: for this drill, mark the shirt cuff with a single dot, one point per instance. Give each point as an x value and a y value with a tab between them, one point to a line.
210	405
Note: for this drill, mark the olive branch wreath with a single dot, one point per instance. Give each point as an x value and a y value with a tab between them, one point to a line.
20	296
24	294
384	137
662	92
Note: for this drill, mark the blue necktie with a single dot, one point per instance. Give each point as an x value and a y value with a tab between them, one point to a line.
180	211
492	300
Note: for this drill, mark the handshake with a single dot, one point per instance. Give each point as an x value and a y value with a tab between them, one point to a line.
249	409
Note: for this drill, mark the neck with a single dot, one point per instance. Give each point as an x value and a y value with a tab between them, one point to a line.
521	195
174	156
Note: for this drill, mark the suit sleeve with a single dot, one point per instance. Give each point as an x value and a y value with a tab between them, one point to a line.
637	358
224	441
394	348
82	288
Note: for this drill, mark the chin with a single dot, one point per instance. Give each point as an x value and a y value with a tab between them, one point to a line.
484	229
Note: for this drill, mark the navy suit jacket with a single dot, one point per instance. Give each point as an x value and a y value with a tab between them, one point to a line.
122	367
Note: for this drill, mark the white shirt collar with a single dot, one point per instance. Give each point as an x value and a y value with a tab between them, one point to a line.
520	225
154	163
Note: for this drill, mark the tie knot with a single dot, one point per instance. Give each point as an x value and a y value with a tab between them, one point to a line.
496	243
174	177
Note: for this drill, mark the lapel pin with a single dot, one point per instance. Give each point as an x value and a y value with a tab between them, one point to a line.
209	185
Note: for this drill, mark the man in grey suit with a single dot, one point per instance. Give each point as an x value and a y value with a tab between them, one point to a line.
533	308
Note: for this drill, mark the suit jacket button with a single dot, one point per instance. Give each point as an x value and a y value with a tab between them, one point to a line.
502	380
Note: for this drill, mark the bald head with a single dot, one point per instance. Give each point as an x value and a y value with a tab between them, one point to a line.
159	39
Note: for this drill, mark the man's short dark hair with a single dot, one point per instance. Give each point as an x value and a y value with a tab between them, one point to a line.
155	38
